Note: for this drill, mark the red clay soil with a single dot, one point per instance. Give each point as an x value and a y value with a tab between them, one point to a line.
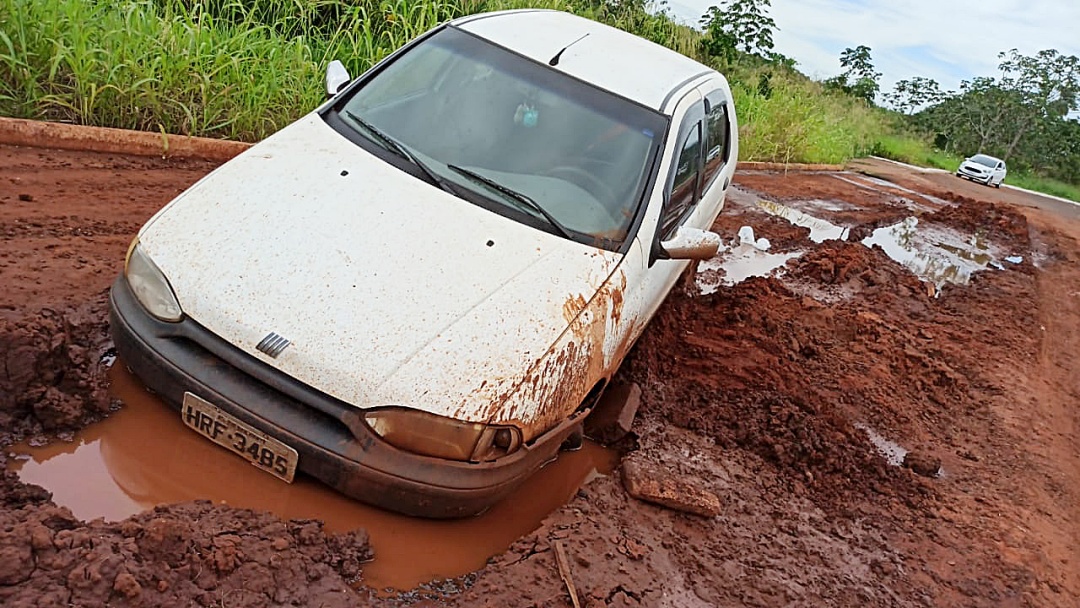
759	393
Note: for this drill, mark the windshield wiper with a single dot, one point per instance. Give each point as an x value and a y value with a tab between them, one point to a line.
514	194
398	148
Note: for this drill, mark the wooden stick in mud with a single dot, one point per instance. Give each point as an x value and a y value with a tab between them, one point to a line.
564	572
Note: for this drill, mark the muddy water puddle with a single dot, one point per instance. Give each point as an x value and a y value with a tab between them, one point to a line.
820	230
936	254
143	456
737	264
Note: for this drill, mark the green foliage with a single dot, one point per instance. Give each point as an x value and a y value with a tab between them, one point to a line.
910	94
738	25
1045	185
914	151
793	119
233	69
241	69
1020	116
859	79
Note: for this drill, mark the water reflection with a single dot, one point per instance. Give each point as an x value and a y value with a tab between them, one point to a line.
937	256
820	230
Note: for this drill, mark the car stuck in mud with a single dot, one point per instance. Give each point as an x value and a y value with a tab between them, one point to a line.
419	291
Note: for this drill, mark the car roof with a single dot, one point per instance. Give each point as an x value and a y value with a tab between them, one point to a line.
609	58
993	158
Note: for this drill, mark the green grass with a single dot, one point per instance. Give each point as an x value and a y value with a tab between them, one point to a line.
160	66
1045	185
242	69
793	119
911	150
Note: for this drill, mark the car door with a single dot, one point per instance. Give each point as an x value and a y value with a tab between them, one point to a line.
721	145
673	203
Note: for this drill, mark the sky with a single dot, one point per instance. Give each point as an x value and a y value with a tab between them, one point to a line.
947	40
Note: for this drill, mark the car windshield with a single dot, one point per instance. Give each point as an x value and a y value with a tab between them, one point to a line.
515	136
986	161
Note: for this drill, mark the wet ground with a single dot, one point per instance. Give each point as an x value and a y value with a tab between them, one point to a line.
143	456
881	397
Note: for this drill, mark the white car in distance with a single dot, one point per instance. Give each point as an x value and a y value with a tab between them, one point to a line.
982	168
419	291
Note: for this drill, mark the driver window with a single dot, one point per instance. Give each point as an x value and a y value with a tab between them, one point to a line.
684	191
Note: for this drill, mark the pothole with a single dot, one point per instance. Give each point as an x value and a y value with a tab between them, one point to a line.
820	230
143	456
936	255
736	264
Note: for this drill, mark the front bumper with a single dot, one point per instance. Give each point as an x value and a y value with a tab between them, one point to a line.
973	176
333	446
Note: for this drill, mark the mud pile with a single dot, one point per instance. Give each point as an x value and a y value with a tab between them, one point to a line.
195	552
761	392
53	376
763	368
997	223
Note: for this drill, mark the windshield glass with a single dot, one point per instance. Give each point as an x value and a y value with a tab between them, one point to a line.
532	143
984	160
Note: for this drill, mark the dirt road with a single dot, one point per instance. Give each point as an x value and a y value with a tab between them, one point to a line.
788	397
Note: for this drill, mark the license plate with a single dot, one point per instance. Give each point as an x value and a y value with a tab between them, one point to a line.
253	445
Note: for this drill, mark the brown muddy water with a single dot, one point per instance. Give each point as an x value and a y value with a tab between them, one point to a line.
143	456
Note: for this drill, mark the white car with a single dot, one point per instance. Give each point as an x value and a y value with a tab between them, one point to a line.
982	168
418	291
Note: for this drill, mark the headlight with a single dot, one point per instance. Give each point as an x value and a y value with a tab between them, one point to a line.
150	286
431	435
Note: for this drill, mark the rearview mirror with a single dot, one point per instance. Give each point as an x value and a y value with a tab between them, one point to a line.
336	77
691	244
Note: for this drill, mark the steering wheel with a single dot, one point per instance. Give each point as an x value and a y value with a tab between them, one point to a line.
587	181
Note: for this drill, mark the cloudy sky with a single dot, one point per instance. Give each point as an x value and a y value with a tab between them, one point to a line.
947	40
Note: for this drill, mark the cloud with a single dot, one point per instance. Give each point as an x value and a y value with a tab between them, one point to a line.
947	41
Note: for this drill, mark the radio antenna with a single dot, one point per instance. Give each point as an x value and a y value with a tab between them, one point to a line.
555	60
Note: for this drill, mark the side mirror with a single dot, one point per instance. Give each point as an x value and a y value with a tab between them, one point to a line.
691	244
336	77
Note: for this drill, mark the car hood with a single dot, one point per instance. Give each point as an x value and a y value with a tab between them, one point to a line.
391	291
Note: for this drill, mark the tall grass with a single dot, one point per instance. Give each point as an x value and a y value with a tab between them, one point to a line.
913	150
139	66
787	118
1046	185
237	70
242	69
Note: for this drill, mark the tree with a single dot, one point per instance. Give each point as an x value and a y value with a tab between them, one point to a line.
738	25
1047	84
918	92
976	118
859	73
859	78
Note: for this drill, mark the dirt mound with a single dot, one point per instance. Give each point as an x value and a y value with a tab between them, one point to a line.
859	269
748	367
994	222
176	555
53	377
